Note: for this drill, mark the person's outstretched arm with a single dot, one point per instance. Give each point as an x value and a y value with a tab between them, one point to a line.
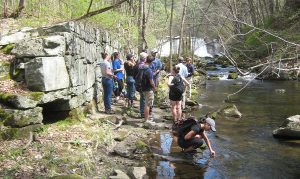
212	152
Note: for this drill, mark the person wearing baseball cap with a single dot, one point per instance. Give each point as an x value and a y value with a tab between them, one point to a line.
190	138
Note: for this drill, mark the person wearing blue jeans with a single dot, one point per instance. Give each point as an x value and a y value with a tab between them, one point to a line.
107	82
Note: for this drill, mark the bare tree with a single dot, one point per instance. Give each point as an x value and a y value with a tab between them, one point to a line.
5	11
171	36
19	10
182	26
141	26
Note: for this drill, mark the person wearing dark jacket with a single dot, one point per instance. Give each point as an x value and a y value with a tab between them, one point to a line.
130	70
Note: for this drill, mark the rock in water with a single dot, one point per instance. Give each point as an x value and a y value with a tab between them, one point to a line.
290	128
191	103
230	111
139	172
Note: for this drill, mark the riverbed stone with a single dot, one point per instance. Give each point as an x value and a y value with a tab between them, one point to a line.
41	47
232	75
229	111
46	74
118	174
22	118
290	128
139	172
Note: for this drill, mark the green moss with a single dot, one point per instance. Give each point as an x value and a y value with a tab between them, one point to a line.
232	76
141	145
6	77
8	48
77	114
36	96
71	176
213	78
4	97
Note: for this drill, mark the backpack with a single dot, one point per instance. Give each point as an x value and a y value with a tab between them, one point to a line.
178	87
182	127
139	79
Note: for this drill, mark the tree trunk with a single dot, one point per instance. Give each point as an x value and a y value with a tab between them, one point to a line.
171	39
271	7
142	26
182	26
5	12
252	12
19	10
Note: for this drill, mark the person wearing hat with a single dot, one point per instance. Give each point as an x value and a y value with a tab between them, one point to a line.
191	138
129	66
156	67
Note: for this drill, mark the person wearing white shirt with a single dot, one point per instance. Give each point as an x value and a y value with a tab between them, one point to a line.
183	72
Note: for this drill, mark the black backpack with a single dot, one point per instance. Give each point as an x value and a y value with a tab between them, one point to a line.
182	127
178	87
139	79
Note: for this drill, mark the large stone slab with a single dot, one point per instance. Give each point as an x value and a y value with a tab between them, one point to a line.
46	74
41	47
21	118
14	38
290	128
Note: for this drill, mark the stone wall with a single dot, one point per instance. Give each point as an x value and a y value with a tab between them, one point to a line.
58	64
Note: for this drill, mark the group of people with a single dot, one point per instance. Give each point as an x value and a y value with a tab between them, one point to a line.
143	75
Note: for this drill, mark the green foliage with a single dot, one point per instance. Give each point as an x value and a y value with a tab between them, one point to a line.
36	96
141	145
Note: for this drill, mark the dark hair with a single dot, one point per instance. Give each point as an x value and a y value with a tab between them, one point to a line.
104	55
116	55
176	68
150	59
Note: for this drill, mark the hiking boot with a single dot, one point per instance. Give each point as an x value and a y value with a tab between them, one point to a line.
109	111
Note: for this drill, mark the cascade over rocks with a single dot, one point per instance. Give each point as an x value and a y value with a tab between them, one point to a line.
60	63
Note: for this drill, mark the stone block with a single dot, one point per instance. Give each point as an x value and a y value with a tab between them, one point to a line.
41	47
46	74
22	118
14	38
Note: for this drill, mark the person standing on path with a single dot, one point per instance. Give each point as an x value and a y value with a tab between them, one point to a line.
177	86
141	64
148	87
184	74
129	66
156	67
191	69
107	82
118	71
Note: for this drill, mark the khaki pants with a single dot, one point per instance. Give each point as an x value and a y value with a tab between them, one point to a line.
190	80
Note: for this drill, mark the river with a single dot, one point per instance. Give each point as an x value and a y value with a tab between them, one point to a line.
245	148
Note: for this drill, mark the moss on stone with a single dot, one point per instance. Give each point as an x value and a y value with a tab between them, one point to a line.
36	96
77	114
232	76
17	133
213	78
4	97
7	49
141	145
71	176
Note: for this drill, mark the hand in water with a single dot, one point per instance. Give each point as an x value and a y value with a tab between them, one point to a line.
212	153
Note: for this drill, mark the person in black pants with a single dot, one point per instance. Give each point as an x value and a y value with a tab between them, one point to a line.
118	71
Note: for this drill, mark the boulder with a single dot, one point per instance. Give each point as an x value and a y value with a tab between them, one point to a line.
139	172
290	128
46	74
9	133
21	118
41	47
118	174
229	111
156	125
191	103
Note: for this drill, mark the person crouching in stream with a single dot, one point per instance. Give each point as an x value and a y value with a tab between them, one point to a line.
177	86
189	134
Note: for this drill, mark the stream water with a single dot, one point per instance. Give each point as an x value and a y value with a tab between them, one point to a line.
245	148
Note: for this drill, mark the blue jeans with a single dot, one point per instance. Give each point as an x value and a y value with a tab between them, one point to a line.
142	103
108	90
130	87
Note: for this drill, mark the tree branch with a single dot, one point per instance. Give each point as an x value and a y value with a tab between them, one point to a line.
99	11
91	2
